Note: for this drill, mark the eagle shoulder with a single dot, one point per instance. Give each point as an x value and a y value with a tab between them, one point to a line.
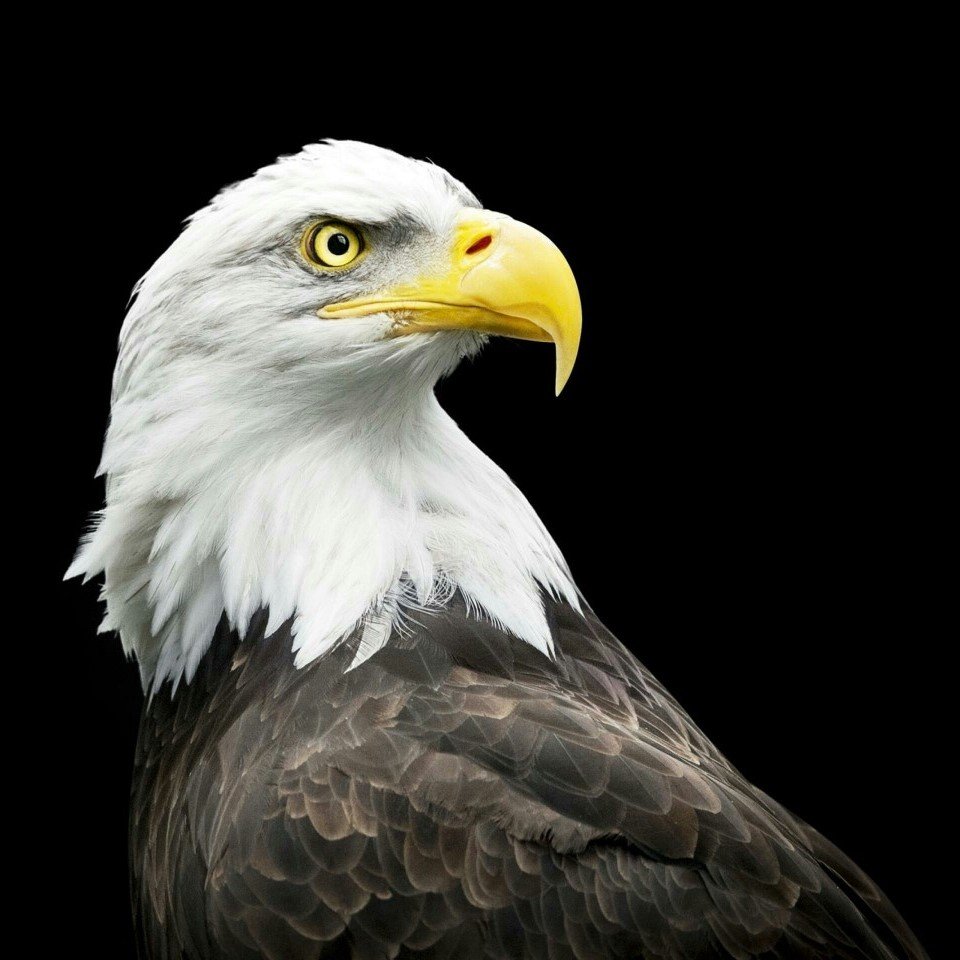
460	794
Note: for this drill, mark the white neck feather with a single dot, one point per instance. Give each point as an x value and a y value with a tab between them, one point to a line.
339	515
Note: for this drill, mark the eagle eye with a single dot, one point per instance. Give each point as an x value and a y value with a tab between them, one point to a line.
331	244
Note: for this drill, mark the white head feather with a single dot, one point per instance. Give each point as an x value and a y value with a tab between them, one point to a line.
258	457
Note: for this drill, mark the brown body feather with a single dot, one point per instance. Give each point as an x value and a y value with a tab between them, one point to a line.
460	796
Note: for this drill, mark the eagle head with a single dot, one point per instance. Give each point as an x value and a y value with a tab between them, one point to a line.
274	439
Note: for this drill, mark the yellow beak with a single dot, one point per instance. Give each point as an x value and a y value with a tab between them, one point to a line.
500	277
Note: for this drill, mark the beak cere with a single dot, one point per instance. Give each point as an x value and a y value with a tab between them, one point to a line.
502	277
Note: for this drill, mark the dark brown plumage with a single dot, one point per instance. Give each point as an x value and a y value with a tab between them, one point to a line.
460	796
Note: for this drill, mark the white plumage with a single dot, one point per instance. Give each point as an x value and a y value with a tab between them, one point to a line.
259	457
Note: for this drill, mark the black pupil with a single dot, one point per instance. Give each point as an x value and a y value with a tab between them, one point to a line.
338	244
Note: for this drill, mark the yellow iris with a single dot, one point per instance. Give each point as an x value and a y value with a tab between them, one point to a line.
332	245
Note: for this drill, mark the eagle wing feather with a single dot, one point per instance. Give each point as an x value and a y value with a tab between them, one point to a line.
459	795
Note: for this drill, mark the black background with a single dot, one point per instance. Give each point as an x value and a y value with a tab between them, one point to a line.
734	472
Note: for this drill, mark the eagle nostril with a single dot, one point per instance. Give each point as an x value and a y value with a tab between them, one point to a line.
480	244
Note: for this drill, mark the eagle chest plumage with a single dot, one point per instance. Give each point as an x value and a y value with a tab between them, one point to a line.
459	795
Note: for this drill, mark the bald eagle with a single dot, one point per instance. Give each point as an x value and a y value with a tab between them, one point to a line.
380	720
